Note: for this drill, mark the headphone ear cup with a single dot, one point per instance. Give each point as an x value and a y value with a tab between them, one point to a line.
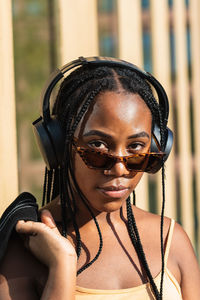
50	140
155	141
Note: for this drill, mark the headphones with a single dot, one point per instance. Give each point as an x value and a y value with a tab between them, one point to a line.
47	129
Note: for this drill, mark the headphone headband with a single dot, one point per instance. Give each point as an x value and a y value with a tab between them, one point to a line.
58	74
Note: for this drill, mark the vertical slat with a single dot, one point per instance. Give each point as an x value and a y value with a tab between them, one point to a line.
162	71
183	110
8	150
194	13
130	49
130	31
78	29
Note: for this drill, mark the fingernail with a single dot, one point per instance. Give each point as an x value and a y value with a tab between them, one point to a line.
21	221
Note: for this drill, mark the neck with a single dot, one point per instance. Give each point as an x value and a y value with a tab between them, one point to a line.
85	216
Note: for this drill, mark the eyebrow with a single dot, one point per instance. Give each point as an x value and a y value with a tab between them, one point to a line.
105	135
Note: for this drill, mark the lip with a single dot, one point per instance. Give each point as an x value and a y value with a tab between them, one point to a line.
114	191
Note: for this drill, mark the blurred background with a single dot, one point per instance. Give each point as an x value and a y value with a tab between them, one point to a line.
163	37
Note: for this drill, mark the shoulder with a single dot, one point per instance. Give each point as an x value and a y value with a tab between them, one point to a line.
152	221
182	246
183	249
149	227
55	208
184	254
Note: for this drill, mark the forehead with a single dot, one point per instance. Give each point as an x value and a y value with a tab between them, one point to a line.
117	112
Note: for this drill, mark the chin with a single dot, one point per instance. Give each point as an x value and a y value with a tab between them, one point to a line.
110	206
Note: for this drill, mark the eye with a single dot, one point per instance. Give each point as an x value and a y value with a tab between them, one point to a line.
99	145
137	146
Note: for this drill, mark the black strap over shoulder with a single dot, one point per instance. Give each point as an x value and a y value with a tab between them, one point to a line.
24	207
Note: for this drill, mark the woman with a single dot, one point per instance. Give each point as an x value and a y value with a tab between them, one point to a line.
92	243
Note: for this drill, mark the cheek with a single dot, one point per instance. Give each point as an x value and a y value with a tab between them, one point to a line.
79	168
84	175
136	179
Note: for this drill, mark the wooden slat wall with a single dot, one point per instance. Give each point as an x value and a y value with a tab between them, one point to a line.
78	29
162	71
78	24
8	149
194	15
130	31
183	115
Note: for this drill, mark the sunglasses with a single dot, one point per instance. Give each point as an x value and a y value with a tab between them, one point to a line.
99	160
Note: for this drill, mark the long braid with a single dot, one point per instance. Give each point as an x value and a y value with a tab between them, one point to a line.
162	134
55	184
100	239
67	204
135	238
63	202
49	185
96	223
161	231
44	187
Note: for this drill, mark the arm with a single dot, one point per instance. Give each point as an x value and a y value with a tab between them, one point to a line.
61	281
56	252
189	268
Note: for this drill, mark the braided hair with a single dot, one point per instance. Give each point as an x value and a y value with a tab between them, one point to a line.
77	92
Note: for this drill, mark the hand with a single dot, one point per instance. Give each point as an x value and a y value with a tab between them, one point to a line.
45	241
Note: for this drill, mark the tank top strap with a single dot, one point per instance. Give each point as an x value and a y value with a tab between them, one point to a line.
169	239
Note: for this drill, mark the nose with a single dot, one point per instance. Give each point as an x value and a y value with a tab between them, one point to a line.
119	169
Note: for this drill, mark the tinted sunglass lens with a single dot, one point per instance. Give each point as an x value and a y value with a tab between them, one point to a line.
153	161
136	163
98	160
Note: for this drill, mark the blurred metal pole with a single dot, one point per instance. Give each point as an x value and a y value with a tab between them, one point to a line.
8	148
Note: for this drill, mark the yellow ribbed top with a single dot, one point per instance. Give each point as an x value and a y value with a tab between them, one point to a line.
171	288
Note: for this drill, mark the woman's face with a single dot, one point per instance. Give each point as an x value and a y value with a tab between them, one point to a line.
118	123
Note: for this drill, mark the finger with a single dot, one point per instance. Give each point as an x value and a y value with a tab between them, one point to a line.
47	219
19	226
28	227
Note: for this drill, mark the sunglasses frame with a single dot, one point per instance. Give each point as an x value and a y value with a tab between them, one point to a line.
115	158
